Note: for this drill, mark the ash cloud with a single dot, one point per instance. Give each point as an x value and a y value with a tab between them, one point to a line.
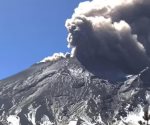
111	31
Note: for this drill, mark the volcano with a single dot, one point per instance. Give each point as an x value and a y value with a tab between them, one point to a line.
60	92
104	81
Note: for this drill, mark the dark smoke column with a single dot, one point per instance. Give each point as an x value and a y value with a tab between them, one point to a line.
111	31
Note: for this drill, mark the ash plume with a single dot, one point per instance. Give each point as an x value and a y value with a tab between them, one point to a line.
55	57
113	31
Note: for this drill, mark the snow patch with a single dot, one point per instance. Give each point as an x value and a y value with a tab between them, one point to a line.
32	113
45	121
13	120
148	97
133	117
72	123
76	72
99	120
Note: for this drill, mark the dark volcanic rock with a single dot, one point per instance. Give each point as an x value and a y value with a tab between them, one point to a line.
66	93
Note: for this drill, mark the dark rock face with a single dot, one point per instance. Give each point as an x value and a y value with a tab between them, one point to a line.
66	93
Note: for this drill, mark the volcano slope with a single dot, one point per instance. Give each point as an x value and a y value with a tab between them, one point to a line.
64	92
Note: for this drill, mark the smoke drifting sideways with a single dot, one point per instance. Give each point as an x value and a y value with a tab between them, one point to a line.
55	57
111	31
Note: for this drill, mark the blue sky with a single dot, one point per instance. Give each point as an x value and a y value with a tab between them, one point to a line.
31	30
